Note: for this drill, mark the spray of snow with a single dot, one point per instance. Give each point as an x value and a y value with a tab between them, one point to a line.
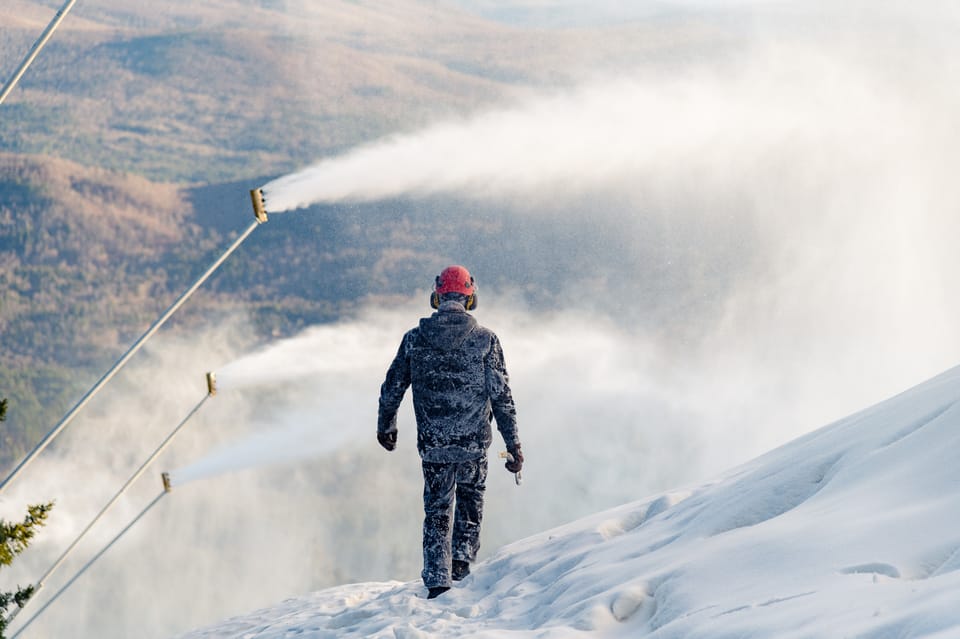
726	120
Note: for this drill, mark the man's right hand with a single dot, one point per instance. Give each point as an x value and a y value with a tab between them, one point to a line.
387	440
516	464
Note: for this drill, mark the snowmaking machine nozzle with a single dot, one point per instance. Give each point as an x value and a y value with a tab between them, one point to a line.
259	205
211	384
167	485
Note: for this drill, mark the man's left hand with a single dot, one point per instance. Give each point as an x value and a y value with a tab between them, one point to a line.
387	440
516	464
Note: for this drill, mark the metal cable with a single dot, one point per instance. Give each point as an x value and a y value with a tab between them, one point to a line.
35	50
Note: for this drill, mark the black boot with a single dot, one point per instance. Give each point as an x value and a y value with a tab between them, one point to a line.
436	591
460	569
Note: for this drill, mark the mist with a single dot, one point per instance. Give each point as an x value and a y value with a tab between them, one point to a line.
785	219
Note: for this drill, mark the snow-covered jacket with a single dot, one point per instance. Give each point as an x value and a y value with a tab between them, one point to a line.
459	384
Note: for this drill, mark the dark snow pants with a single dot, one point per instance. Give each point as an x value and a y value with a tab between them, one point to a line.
451	491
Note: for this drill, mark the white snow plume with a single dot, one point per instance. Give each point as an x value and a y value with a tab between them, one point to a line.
708	124
588	138
313	391
334	350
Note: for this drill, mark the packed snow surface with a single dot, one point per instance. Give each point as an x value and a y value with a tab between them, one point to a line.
850	531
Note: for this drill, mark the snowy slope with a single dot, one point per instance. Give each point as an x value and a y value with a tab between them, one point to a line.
853	530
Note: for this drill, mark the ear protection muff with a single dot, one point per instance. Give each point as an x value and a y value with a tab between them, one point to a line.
435	296
470	304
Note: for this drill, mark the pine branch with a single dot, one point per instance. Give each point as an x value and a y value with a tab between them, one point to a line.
6	598
15	537
23	595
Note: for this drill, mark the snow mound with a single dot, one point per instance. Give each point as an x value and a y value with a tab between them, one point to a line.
852	530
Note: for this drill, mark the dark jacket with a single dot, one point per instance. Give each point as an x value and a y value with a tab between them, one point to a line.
459	384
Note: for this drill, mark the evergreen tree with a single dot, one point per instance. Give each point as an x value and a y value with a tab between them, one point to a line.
14	539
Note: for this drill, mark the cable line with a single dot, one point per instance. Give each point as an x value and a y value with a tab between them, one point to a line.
35	50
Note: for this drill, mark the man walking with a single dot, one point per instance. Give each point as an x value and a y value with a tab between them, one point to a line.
460	384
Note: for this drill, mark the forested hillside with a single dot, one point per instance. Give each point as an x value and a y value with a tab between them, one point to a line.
89	257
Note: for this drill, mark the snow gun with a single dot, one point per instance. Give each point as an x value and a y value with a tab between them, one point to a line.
259	210
516	476
211	384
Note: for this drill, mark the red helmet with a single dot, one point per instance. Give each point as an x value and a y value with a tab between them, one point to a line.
455	279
